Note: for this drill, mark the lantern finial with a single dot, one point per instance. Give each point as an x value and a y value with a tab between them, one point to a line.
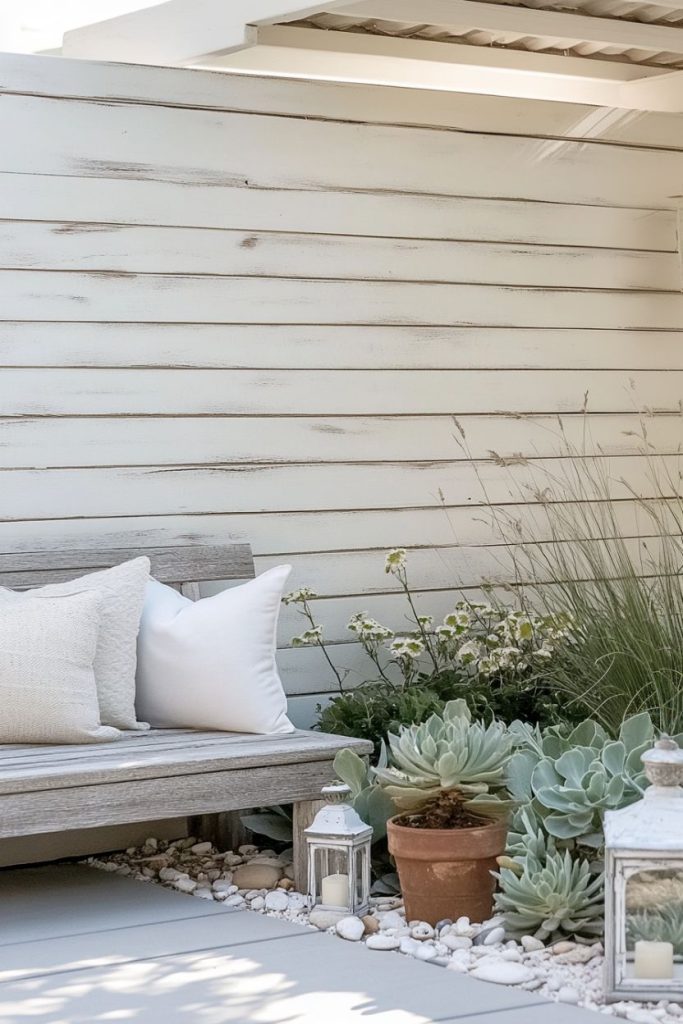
664	763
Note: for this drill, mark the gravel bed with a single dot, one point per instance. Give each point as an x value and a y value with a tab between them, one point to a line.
261	881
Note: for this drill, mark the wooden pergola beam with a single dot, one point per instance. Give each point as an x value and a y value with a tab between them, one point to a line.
178	31
565	29
388	60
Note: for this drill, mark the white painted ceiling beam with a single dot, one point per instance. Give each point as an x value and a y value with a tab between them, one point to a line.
568	29
178	31
386	60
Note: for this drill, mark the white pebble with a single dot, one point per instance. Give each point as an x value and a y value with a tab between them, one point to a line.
426	952
277	900
422	931
380	941
258	903
392	919
234	901
500	972
457	941
494	936
638	1016
200	848
184	884
408	946
350	928
531	944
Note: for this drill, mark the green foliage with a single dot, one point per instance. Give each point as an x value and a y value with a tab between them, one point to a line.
570	777
372	803
615	575
273	822
371	711
449	753
550	894
664	924
493	657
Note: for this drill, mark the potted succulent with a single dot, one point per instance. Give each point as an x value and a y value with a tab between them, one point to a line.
448	779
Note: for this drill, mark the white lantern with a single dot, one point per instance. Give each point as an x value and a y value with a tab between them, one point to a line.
339	855
644	885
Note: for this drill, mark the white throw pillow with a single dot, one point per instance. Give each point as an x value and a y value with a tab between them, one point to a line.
122	594
210	664
47	680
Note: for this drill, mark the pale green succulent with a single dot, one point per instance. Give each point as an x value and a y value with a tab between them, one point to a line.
449	752
665	924
572	777
373	804
548	894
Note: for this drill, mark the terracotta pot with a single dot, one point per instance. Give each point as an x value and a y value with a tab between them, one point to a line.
447	872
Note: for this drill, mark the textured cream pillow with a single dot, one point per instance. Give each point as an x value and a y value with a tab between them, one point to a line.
122	594
47	680
210	664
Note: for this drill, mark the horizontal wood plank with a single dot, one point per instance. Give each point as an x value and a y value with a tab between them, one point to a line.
128	141
281	346
31	295
171	564
171	250
31	813
30	392
93	80
83	203
81	493
160	753
167	440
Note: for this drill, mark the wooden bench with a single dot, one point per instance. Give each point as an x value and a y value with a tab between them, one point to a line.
164	773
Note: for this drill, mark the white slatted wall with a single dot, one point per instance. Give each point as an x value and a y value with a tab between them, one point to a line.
236	308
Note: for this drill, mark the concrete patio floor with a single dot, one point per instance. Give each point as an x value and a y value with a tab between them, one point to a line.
79	946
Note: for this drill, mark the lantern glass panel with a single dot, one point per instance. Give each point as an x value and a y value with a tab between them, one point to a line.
361	871
652	945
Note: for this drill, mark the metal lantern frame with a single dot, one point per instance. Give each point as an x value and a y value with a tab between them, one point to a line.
644	837
338	828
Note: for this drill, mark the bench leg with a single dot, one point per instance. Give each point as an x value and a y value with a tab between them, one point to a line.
304	813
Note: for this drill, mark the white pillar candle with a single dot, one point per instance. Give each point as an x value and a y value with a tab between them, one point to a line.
654	960
335	891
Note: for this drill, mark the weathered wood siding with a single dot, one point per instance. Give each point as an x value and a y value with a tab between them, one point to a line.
248	309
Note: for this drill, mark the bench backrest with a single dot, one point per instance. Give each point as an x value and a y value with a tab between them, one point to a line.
184	567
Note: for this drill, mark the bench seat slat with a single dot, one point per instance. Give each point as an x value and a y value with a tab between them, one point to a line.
158	756
173	564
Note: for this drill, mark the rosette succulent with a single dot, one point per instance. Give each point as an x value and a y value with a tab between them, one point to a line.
550	894
571	777
449	753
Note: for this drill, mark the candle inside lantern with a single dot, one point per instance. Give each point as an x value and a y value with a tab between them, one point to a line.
335	891
654	960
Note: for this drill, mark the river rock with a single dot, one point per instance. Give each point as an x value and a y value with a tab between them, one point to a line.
408	946
425	952
562	947
494	936
501	972
392	919
456	941
380	941
530	944
184	884
257	876
277	900
641	1016
258	903
199	849
422	931
350	928
370	923
324	919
